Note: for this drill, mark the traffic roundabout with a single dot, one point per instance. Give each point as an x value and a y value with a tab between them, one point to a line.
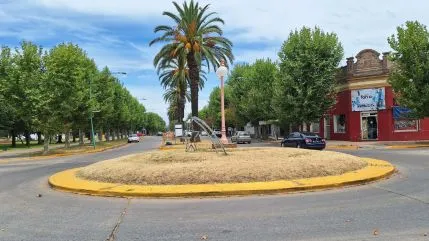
242	172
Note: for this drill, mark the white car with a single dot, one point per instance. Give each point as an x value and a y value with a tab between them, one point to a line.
204	133
133	138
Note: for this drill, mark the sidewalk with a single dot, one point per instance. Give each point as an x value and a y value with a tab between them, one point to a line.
332	144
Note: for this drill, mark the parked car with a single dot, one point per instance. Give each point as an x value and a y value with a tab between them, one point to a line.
188	133
133	138
159	133
306	140
217	132
204	133
241	137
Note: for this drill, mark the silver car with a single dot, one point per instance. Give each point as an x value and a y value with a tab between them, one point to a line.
241	137
133	138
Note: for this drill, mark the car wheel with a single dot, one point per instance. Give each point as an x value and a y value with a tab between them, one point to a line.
298	145
250	142
282	145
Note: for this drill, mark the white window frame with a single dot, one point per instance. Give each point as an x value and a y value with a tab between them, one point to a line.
415	130
336	126
312	126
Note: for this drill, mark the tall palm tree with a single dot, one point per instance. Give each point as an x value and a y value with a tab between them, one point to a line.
195	36
174	76
177	96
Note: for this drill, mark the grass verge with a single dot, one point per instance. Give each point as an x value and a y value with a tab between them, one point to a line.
241	165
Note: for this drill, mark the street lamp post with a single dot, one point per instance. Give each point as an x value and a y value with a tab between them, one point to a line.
221	72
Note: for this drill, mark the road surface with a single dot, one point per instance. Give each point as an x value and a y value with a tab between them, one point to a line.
394	209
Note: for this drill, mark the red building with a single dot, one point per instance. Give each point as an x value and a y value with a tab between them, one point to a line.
366	108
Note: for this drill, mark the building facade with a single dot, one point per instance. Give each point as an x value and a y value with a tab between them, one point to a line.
366	109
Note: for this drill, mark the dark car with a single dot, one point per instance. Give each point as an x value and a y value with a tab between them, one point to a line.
306	140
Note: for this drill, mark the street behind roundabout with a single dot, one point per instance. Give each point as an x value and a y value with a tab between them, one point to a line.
393	209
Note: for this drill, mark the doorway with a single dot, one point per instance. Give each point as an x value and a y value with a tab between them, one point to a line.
369	126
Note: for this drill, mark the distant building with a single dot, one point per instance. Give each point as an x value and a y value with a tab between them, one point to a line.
366	108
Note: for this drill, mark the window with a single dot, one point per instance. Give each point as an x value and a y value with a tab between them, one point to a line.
315	127
403	125
340	123
403	120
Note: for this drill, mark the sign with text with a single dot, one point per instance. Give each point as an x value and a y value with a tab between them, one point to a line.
178	131
368	99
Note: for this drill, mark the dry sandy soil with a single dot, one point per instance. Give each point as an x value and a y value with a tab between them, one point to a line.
240	165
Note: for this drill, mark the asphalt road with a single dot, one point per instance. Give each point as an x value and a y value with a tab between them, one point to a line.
394	209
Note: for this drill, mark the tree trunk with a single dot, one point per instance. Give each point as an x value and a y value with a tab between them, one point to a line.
67	137
182	106
39	138
100	135
118	134
194	76
27	138
74	137
60	138
113	134
81	142
13	134
46	143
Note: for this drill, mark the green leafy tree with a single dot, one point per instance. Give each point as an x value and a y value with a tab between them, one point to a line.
7	112
410	75
252	90
104	89
70	72
154	123
304	89
197	36
23	93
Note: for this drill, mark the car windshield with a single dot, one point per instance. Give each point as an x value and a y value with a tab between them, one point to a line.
133	135
243	134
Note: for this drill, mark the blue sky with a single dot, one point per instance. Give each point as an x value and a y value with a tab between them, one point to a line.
116	33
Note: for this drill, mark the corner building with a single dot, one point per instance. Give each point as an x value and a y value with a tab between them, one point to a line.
366	109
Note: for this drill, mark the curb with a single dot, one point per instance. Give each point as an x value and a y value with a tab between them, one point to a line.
407	146
67	181
8	160
342	147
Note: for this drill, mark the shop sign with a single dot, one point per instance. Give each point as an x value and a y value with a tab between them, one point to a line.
368	99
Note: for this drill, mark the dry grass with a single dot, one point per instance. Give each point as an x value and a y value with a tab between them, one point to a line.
241	165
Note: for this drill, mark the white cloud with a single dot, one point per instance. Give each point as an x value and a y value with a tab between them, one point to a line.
256	28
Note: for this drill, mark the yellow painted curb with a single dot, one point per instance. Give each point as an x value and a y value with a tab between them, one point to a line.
407	146
67	181
342	147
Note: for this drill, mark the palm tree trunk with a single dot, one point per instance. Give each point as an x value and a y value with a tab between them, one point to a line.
194	75
182	104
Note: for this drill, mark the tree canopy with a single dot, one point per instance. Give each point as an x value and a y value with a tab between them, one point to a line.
410	75
58	91
304	89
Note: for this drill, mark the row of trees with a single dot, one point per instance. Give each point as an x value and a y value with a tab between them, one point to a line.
193	41
57	91
301	86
